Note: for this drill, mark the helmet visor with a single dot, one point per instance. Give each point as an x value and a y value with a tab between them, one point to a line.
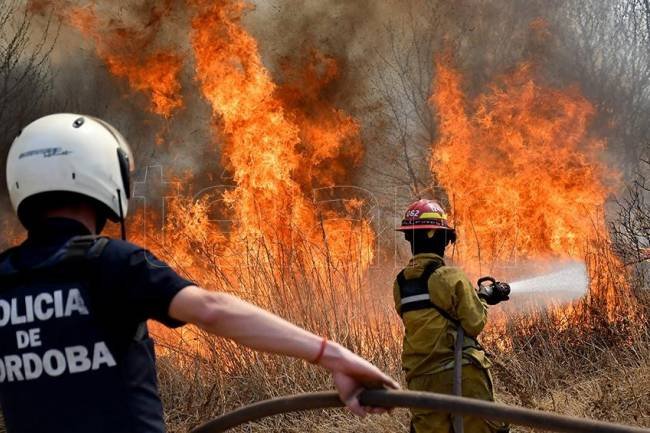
124	156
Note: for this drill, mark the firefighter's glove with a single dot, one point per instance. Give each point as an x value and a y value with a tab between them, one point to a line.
493	291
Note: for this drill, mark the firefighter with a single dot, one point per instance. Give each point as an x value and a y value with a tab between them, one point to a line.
75	354
432	300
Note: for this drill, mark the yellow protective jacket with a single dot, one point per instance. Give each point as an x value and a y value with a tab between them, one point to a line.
428	336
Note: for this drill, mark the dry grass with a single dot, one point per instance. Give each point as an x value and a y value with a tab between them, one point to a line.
594	365
596	373
590	362
588	376
575	373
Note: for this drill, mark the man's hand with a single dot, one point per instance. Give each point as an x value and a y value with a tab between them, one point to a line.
493	291
230	317
352	374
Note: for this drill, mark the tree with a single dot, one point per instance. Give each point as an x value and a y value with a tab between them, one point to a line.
631	228
24	77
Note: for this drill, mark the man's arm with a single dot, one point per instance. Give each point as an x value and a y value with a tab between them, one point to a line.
468	308
230	317
471	310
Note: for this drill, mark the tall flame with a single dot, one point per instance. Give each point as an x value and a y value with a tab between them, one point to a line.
524	179
279	143
523	175
274	147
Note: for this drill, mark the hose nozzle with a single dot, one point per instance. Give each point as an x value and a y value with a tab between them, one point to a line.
493	291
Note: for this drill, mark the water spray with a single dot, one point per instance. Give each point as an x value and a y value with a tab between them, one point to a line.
571	278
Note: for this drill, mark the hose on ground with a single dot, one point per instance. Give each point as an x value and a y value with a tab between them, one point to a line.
424	400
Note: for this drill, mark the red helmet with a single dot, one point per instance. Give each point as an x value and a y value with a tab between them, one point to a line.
425	215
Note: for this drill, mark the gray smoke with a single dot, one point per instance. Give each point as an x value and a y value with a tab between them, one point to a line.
385	51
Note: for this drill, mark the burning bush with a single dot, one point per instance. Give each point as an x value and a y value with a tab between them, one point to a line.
519	163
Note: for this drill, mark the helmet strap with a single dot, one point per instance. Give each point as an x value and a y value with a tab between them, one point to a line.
121	216
422	242
100	221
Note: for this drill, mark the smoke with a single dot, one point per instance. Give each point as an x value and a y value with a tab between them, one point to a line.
95	37
385	53
350	32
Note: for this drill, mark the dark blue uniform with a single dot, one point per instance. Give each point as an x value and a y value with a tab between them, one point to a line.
74	354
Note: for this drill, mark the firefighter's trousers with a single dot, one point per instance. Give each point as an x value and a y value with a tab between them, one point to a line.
477	383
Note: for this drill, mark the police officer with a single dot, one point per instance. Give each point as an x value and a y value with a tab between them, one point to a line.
434	300
75	355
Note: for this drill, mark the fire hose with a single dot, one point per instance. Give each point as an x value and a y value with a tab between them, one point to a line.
423	400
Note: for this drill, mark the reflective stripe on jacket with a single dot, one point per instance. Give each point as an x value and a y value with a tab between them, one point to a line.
428	336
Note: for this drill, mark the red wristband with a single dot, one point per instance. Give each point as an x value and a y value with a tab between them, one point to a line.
323	345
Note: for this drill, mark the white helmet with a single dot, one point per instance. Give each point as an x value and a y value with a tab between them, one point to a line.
70	153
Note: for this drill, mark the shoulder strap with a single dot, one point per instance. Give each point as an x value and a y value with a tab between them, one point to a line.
429	269
424	277
90	247
76	249
84	247
424	287
414	292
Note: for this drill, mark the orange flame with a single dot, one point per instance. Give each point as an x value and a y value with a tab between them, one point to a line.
276	149
523	176
279	142
261	143
330	143
525	180
127	54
